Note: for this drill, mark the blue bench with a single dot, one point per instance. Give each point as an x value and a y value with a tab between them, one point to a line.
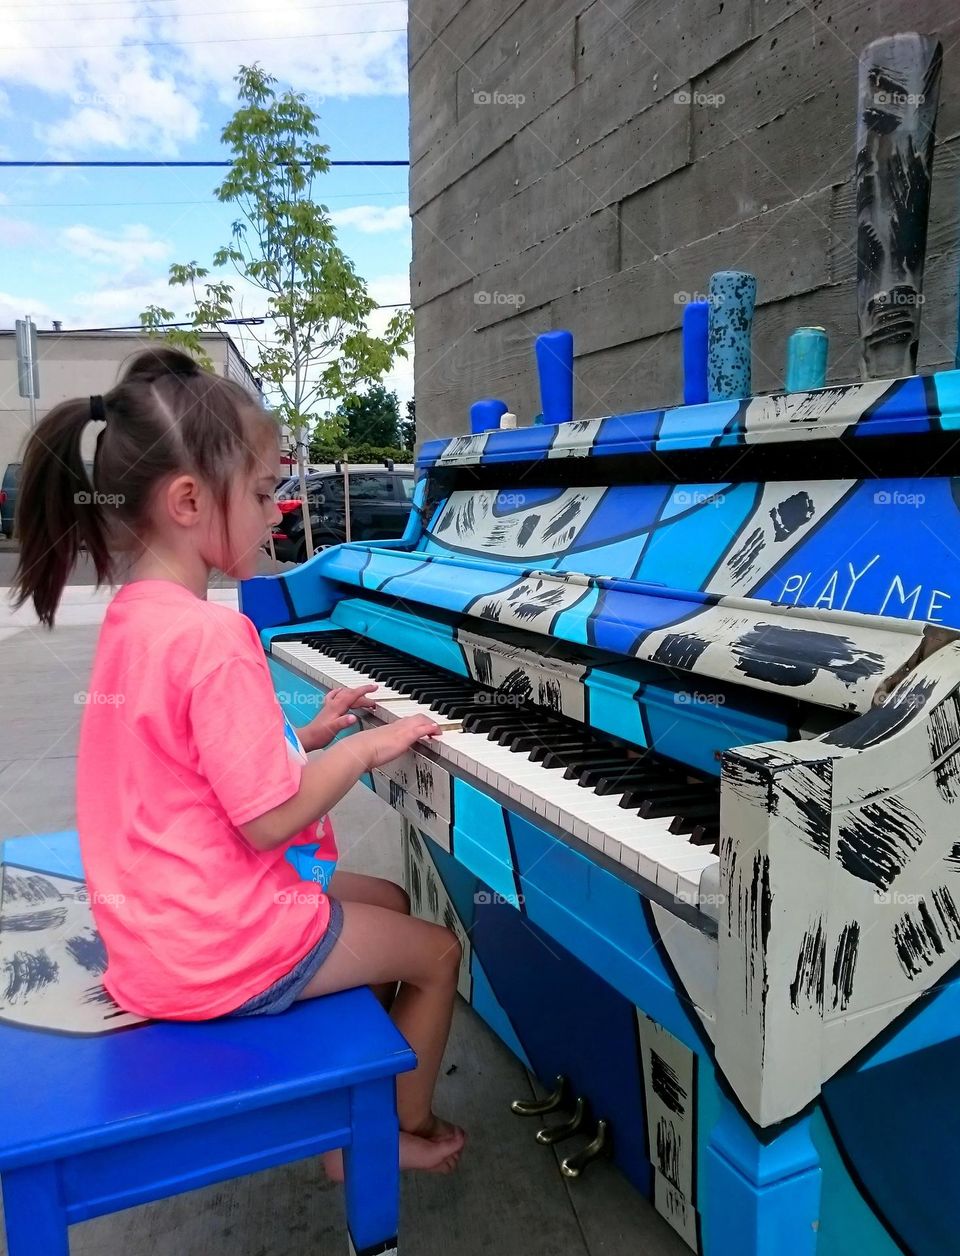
94	1122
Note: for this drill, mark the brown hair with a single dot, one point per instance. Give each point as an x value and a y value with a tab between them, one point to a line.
166	415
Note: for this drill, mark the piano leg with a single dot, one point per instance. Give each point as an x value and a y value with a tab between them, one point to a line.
766	1197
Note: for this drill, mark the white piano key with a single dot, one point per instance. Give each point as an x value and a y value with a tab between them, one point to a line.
643	846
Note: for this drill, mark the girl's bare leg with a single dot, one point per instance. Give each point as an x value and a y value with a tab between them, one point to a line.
378	946
357	887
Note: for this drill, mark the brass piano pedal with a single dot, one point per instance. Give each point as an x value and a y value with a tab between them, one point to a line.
549	1103
598	1146
551	1134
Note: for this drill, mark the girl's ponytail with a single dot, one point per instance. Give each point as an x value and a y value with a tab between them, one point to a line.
58	510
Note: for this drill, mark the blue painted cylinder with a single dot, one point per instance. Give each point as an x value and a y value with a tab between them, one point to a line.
695	332
733	294
554	350
807	359
485	414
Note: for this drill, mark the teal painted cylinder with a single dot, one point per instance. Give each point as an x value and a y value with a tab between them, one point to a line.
733	294
807	359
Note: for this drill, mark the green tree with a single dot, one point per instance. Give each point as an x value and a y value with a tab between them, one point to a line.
372	417
407	429
316	347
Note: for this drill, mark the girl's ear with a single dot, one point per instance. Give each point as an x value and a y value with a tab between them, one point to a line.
181	501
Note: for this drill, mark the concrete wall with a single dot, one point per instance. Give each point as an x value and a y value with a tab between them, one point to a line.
588	165
76	364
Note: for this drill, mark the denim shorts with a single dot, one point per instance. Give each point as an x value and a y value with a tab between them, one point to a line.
286	989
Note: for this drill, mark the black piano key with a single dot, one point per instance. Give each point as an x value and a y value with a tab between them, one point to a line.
560	746
620	768
706	835
482	722
635	794
687	819
643	781
666	805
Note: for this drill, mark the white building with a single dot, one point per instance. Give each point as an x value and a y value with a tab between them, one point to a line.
76	364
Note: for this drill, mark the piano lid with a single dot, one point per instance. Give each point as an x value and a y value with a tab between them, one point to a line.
830	418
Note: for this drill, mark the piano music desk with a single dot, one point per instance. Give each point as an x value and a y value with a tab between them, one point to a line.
98	1121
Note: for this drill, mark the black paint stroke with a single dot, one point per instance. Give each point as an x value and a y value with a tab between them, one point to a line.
397	795
680	650
526	531
483	665
917	941
669	1150
516	684
947	911
883	721
424	774
792	513
28	888
550	693
666	1084
35	921
564	517
844	964
809	976
943	726
778	655
875	841
743	560
89	952
27	973
809	790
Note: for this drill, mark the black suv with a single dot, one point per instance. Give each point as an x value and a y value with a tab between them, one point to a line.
379	507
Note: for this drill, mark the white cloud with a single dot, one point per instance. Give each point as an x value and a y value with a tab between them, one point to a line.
13	307
130	247
372	219
117	95
17	232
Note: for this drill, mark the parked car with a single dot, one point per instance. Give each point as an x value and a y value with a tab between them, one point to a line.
8	497
379	506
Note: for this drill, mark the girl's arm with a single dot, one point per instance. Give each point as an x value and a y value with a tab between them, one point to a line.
326	778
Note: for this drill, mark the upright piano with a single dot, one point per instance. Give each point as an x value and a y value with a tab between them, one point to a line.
695	811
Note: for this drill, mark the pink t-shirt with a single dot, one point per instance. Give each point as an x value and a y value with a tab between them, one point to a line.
182	741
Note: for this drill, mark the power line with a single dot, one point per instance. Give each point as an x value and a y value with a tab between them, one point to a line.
123	17
182	43
252	320
337	196
127	164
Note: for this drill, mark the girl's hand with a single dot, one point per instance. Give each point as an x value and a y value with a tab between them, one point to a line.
383	744
335	716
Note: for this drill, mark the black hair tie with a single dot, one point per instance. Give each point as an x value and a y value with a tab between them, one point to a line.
98	411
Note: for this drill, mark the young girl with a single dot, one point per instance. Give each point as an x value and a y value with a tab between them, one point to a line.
195	801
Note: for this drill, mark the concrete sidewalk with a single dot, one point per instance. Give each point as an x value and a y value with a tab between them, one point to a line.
508	1196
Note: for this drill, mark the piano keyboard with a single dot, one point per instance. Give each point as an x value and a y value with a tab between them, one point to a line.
642	811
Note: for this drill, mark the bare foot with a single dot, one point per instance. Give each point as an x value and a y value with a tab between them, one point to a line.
437	1155
437	1130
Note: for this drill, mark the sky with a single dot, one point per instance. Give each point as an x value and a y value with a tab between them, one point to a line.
110	80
